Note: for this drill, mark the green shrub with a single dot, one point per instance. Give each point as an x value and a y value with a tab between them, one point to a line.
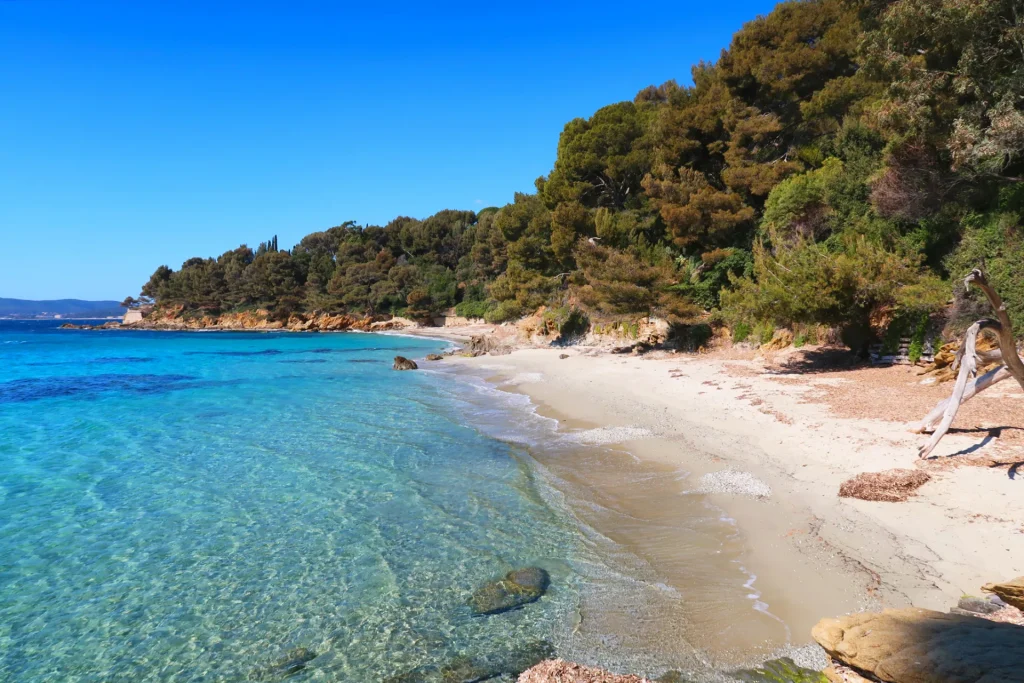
506	310
893	333
916	349
799	339
693	337
473	309
740	332
765	334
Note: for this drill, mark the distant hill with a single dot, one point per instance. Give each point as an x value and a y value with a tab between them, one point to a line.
65	308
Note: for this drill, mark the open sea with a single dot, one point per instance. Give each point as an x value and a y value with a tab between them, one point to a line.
211	506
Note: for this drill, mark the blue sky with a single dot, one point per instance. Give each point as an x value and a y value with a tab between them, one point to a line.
139	133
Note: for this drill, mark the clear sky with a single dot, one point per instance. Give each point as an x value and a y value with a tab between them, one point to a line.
139	133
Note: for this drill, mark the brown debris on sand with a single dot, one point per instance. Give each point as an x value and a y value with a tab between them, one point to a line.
892	486
559	671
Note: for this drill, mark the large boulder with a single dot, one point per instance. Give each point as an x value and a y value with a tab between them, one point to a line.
483	344
518	588
915	645
403	363
1011	592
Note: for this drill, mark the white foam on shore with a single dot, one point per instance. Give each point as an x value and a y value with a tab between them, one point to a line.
735	482
525	378
603	436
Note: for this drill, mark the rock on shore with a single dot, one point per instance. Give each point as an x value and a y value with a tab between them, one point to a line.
915	645
559	671
261	319
1011	592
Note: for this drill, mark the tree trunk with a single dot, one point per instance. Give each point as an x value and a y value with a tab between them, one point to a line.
967	386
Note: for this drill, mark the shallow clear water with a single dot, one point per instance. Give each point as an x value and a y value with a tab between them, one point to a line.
192	506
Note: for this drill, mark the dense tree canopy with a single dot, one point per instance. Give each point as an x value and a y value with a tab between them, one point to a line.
838	164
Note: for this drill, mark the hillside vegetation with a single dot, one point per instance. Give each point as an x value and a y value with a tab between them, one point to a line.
842	163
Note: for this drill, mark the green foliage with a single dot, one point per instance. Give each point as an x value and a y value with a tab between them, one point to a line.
843	282
916	348
473	309
830	168
995	239
571	322
692	337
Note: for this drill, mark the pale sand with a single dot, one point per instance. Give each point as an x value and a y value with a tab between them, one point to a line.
814	554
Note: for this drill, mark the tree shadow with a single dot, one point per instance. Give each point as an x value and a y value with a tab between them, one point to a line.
820	360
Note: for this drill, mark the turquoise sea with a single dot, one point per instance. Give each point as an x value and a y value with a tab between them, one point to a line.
201	507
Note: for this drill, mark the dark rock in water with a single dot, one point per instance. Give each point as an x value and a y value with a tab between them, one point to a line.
434	356
289	664
466	670
783	670
518	588
503	665
403	363
529	655
974	605
671	677
420	675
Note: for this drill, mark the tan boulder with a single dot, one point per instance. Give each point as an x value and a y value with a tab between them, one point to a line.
915	645
1011	592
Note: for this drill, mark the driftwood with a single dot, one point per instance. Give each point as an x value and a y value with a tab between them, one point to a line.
967	358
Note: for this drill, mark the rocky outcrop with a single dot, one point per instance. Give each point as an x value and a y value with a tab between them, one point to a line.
434	356
403	363
482	344
915	645
558	671
518	588
1011	592
261	319
105	326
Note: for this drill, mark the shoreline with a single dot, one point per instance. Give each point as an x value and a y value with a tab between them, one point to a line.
718	427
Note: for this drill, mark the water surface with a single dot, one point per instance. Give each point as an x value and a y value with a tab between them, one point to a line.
192	506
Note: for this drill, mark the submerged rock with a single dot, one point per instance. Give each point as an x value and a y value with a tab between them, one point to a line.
915	645
783	670
1011	592
466	670
504	665
518	588
285	666
403	363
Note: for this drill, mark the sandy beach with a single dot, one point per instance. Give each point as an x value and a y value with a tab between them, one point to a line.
769	444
